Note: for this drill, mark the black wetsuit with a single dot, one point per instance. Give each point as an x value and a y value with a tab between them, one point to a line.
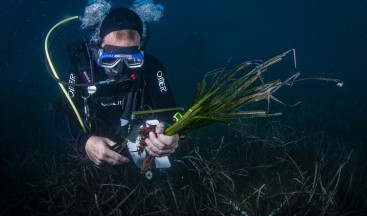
150	89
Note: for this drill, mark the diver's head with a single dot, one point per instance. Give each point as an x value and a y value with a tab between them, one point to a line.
121	19
120	33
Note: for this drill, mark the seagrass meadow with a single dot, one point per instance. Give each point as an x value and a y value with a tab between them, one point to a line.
271	142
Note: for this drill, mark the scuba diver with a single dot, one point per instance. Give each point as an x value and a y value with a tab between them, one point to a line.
111	81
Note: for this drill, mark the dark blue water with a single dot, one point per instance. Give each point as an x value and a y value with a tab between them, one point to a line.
194	37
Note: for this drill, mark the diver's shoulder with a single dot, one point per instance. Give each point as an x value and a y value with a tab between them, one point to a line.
152	61
150	57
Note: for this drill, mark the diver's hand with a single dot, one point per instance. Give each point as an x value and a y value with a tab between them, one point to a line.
98	151
161	145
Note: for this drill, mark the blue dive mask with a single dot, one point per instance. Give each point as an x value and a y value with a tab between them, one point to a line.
110	56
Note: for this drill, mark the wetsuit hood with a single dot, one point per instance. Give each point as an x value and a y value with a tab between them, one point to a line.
121	19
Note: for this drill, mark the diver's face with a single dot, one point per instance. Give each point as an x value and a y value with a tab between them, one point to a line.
111	39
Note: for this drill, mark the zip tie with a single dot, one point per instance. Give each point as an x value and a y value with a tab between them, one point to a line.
177	116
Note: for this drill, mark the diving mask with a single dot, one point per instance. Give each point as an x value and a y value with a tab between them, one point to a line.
110	56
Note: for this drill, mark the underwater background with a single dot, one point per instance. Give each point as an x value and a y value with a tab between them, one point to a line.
328	129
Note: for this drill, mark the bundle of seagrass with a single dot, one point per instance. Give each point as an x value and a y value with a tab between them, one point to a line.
229	93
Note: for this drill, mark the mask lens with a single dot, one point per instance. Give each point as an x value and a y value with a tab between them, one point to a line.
133	62
109	62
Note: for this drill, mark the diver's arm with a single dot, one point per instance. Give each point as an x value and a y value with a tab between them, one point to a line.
97	148
160	96
158	92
